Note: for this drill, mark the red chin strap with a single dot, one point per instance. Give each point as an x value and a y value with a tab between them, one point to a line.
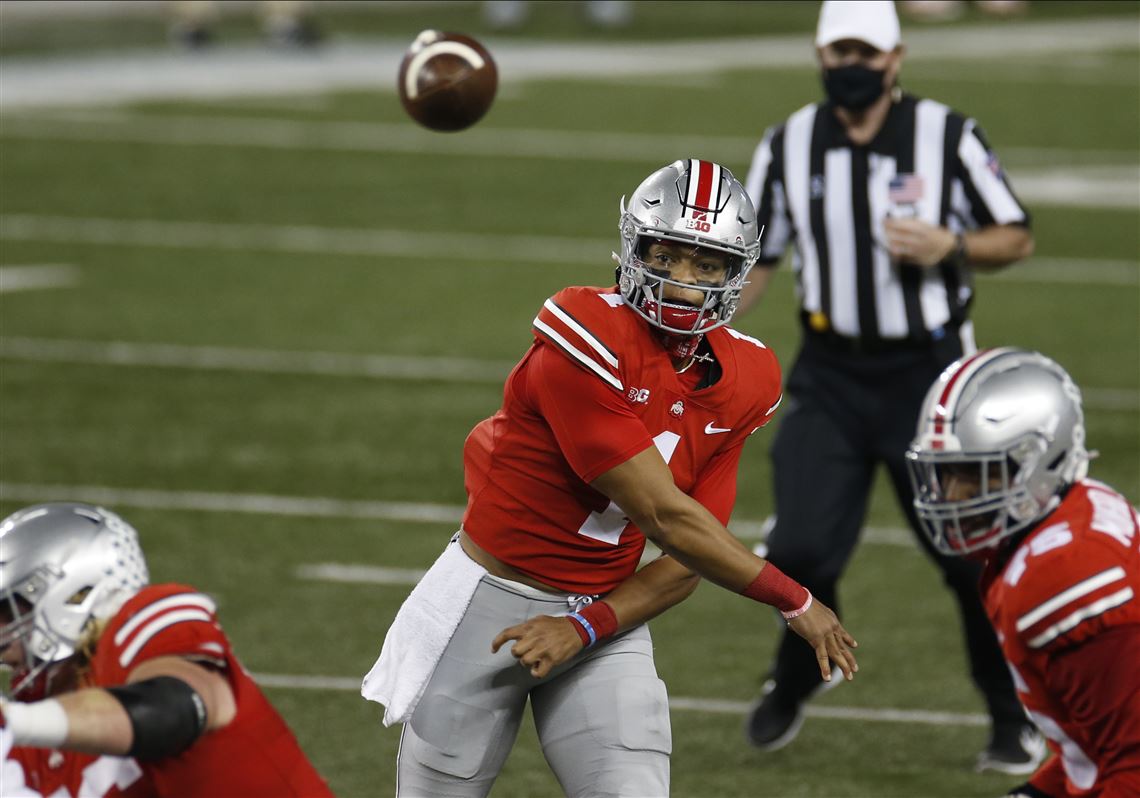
679	316
680	347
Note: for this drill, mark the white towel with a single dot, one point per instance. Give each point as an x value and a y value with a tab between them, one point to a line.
422	629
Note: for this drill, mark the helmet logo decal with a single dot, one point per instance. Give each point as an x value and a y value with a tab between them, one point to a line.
702	194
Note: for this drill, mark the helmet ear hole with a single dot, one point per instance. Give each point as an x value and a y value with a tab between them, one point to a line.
79	596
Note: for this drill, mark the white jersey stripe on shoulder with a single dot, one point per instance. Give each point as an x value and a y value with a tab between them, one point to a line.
583	333
577	354
772	409
1083	614
1083	588
177	600
156	626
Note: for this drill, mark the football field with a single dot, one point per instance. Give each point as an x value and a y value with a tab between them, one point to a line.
259	316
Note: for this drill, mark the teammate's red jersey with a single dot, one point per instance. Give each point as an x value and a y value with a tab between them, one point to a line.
71	774
1066	608
596	388
254	756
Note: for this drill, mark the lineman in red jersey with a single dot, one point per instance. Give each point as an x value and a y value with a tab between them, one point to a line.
999	466
125	688
624	420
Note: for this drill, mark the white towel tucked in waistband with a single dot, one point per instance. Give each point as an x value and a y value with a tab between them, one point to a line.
422	629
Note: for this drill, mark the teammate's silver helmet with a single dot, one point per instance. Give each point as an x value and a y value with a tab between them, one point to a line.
1007	423
62	565
692	202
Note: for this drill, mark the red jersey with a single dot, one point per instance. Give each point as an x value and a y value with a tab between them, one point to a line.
1066	608
71	774
254	755
596	388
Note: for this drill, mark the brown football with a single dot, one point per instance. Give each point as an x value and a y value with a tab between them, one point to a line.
447	81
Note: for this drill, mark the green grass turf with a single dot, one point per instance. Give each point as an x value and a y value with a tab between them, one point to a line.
363	439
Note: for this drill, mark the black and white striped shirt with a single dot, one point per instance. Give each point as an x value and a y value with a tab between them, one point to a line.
810	183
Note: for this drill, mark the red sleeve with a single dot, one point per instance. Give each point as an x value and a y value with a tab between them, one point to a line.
1096	684
162	620
715	488
595	427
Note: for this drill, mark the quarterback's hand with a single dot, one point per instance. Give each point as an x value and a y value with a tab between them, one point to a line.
543	643
917	242
824	633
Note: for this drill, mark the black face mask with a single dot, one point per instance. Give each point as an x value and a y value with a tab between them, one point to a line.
853	87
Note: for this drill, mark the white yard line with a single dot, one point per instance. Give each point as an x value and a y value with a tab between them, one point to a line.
304	239
368	242
326	364
36	277
317	507
256	504
1102	186
681	703
333	364
372	64
349	574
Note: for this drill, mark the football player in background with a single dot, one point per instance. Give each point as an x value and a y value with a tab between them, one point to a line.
123	687
999	467
625	420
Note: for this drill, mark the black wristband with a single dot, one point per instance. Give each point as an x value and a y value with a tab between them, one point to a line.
167	716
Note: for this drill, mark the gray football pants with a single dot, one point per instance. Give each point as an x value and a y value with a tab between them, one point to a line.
602	717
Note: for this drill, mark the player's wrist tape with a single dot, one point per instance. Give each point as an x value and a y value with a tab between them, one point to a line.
42	724
594	623
773	586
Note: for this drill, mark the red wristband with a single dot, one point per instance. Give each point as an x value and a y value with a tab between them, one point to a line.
595	622
773	586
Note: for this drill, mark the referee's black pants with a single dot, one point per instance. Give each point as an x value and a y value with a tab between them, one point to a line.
846	412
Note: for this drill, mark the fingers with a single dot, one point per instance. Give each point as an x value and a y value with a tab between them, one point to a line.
824	662
510	633
845	660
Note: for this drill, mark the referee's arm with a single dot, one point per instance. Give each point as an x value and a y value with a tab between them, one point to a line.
985	249
1002	235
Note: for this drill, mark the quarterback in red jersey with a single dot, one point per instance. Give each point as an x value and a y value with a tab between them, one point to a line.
125	688
1000	469
624	421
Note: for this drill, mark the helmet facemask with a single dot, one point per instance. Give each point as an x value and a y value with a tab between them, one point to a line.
697	204
997	503
43	649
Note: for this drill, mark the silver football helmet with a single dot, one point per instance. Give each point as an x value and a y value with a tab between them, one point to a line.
61	566
1000	438
693	202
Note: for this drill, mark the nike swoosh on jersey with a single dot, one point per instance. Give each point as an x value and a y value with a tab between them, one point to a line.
711	429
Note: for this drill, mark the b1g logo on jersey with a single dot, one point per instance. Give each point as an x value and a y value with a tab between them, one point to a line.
638	395
699	222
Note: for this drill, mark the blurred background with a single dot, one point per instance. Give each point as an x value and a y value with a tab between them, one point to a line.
247	303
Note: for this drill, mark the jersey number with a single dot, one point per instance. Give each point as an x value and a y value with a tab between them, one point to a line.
608	524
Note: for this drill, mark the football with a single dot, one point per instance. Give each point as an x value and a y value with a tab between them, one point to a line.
447	81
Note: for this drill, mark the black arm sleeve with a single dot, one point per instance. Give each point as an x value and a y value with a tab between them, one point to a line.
167	716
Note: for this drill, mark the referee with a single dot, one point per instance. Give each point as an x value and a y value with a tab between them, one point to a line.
892	202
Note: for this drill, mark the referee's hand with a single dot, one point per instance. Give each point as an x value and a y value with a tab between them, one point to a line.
917	242
823	632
